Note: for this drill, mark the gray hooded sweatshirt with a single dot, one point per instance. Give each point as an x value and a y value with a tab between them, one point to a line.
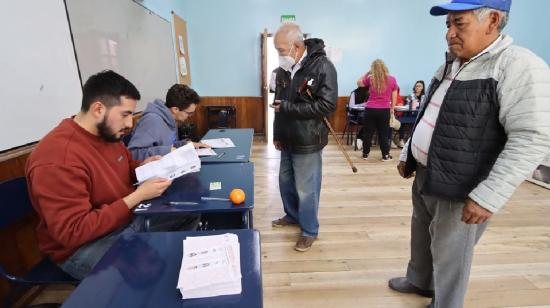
155	133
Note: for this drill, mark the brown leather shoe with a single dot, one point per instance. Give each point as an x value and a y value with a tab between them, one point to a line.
401	284
304	243
282	222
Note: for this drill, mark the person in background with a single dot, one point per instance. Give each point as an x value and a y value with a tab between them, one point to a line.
400	101
357	99
378	108
273	79
156	133
483	130
417	96
80	178
413	102
306	92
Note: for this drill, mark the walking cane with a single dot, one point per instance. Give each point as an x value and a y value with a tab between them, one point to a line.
353	168
305	88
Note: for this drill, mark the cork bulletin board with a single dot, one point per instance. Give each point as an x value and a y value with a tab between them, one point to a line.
182	49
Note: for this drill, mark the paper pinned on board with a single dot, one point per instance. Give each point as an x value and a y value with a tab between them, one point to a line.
180	44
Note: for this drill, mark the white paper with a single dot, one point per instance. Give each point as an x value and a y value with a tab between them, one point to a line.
206	152
172	165
180	44
219	143
210	266
183	67
215	185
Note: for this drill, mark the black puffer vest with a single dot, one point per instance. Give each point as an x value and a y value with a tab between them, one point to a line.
467	138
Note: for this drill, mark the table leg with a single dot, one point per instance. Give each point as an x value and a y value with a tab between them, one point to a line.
147	224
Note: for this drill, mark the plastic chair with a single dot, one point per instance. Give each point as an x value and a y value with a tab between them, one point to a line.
223	119
14	205
221	116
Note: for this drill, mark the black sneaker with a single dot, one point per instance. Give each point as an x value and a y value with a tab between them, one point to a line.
365	156
386	158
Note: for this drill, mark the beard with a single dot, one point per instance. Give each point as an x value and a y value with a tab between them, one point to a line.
106	133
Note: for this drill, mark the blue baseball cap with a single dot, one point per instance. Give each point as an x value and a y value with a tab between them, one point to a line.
466	5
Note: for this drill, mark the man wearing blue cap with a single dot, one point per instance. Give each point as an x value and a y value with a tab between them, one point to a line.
482	130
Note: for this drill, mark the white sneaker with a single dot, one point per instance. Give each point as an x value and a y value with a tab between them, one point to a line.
401	144
359	143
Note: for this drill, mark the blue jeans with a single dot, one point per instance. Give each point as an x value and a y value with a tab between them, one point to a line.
300	178
80	263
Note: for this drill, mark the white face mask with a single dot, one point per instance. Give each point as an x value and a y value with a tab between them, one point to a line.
287	62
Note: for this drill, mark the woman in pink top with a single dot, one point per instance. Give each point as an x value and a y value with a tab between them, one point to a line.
379	106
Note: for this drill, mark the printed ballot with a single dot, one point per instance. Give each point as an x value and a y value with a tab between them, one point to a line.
172	165
206	152
211	266
219	143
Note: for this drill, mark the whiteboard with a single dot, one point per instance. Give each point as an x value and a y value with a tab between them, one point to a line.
126	37
39	82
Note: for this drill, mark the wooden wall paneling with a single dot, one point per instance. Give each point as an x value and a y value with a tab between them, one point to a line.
249	112
12	163
338	118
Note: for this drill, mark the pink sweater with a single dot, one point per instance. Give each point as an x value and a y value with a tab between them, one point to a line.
383	99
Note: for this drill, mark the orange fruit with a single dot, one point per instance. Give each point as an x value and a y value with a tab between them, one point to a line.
237	196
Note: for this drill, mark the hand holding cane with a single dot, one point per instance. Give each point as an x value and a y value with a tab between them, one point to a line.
327	123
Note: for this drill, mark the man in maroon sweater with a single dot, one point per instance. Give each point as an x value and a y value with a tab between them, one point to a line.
80	177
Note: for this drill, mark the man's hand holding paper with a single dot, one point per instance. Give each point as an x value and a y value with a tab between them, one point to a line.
172	165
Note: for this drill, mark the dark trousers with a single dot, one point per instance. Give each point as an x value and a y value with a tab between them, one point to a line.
377	120
402	132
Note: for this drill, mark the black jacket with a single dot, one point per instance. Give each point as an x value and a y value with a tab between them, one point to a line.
299	125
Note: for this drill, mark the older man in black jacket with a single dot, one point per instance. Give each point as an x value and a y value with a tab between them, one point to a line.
306	91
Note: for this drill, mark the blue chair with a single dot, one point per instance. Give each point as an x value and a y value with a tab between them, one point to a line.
14	205
221	116
353	123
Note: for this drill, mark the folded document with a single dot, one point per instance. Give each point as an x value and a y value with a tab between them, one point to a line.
172	165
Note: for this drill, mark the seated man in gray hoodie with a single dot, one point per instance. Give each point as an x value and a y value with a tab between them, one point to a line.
156	133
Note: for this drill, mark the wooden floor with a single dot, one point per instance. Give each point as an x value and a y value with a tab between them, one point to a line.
364	240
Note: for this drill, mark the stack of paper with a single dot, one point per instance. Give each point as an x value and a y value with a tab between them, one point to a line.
211	266
172	165
219	143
